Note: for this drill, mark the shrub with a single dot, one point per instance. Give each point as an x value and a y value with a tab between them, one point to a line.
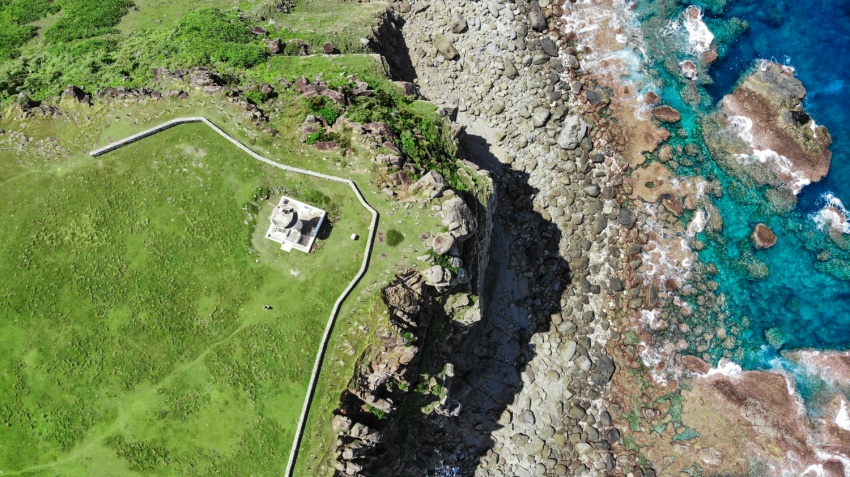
315	198
424	138
27	11
324	107
209	35
213	24
257	97
314	138
86	19
394	237
330	114
381	415
11	37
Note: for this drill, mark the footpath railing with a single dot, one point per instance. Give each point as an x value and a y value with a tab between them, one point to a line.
320	355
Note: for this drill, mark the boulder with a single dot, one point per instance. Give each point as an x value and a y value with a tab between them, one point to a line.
549	47
431	184
763	237
604	370
458	24
275	46
407	87
626	218
72	92
438	277
539	117
443	243
325	145
510	70
652	98
536	18
202	77
666	114
458	217
445	47
572	133
259	31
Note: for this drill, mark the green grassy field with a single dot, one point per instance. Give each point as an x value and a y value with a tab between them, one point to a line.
134	336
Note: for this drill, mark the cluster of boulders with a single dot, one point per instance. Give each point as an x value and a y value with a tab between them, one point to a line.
387	374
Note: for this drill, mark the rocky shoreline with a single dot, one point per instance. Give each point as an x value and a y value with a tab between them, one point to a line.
591	380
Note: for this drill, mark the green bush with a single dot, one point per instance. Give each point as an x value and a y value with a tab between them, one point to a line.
424	138
394	237
330	114
324	107
11	37
256	97
314	138
213	24
27	11
381	415
14	16
209	35
86	19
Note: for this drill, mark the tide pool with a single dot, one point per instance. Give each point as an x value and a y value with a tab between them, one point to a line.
796	294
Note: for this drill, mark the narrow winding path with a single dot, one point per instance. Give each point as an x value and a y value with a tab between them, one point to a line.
317	366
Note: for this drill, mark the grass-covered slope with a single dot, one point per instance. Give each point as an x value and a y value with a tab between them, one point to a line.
47	45
134	335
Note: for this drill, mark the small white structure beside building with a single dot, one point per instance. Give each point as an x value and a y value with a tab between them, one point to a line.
295	225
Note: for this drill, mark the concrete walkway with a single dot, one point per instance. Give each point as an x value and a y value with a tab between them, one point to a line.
317	366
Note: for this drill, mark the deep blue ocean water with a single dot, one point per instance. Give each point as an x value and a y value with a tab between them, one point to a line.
803	304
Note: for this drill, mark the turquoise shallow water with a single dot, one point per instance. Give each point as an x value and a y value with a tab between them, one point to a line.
804	301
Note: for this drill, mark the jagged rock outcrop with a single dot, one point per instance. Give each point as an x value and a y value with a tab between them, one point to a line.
769	135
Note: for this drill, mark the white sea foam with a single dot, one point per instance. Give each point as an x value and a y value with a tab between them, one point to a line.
783	166
697	224
651	358
670	256
833	215
699	36
727	368
650	319
842	419
817	470
596	25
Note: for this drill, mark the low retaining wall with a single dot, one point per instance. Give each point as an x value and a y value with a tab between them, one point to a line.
317	366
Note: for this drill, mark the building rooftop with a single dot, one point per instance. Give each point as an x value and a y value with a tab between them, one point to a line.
295	224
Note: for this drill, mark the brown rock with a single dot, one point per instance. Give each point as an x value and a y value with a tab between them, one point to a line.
709	56
689	70
275	46
763	237
666	114
651	98
325	145
665	153
674	205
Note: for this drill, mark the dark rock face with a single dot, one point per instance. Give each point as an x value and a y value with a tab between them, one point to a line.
763	237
